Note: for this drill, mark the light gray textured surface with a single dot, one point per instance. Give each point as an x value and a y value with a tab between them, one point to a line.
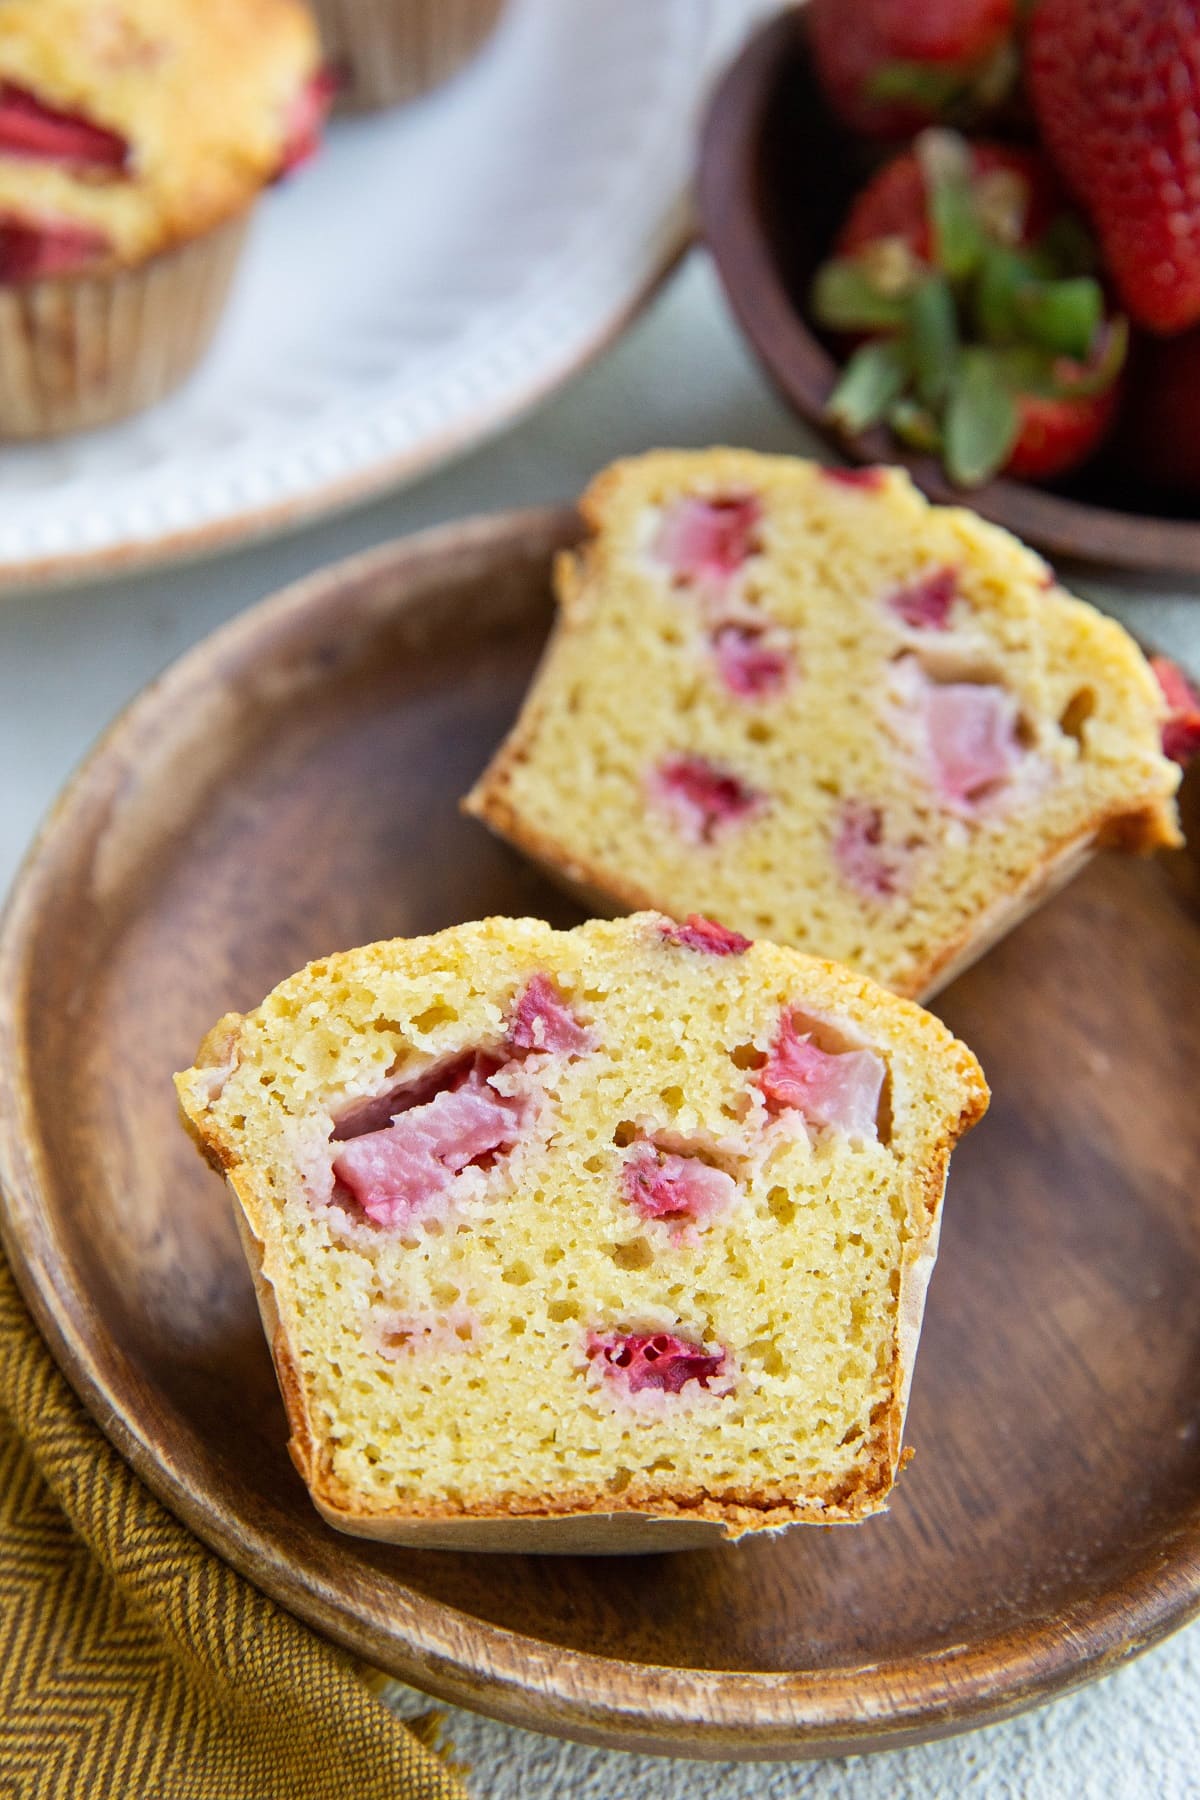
68	662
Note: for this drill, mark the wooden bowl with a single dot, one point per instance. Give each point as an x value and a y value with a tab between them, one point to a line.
290	787
776	175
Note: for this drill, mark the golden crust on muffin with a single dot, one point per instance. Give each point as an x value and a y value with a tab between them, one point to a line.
203	93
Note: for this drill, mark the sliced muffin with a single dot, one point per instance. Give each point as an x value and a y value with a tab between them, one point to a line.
808	703
608	1239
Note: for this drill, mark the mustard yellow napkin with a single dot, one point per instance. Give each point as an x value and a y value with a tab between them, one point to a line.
133	1662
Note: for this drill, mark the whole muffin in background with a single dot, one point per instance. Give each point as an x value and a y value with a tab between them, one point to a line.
135	138
385	51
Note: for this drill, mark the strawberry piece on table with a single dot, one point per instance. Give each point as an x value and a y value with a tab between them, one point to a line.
890	66
979	332
1116	89
30	128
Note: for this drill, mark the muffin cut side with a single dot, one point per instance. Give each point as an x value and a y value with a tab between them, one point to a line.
808	703
614	1238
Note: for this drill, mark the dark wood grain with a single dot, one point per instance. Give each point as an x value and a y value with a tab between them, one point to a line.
776	175
291	787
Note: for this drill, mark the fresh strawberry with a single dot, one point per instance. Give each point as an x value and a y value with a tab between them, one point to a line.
30	128
891	66
1116	88
1057	432
980	332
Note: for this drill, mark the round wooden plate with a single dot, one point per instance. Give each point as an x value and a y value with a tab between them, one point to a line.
776	175
291	787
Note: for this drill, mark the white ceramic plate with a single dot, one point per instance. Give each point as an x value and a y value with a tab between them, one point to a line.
433	275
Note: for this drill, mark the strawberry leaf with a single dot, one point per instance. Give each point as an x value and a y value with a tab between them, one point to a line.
875	376
933	329
981	420
914	425
924	86
1063	316
844	298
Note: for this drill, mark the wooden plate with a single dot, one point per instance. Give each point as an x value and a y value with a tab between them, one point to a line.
776	175
290	787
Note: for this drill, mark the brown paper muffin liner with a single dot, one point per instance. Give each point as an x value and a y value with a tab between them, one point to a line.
85	350
390	50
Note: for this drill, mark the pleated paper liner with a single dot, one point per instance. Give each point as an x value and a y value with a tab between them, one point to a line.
392	50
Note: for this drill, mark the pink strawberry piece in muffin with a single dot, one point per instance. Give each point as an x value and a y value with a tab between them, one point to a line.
699	933
400	1173
972	738
543	1021
29	250
702	798
675	1188
839	1089
859	854
750	665
706	542
1181	732
30	128
870	479
636	1361
306	120
925	603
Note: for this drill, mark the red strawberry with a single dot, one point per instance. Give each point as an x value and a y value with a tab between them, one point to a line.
985	337
891	66
1116	89
30	128
1057	433
1018	188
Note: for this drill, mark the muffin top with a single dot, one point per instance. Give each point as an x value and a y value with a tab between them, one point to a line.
129	126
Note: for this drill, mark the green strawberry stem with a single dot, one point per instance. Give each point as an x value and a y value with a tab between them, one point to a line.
875	376
981	421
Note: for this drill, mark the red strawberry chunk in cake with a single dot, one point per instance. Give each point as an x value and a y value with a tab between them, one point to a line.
543	1021
871	479
972	738
925	603
29	249
749	664
1181	732
661	1185
699	933
701	797
859	854
838	1089
706	542
399	1173
30	128
636	1361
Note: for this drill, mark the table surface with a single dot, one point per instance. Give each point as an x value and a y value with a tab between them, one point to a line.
70	660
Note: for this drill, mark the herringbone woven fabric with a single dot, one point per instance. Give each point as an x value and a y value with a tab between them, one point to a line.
134	1664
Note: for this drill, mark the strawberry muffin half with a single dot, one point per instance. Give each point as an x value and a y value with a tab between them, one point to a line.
607	1239
135	138
809	704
